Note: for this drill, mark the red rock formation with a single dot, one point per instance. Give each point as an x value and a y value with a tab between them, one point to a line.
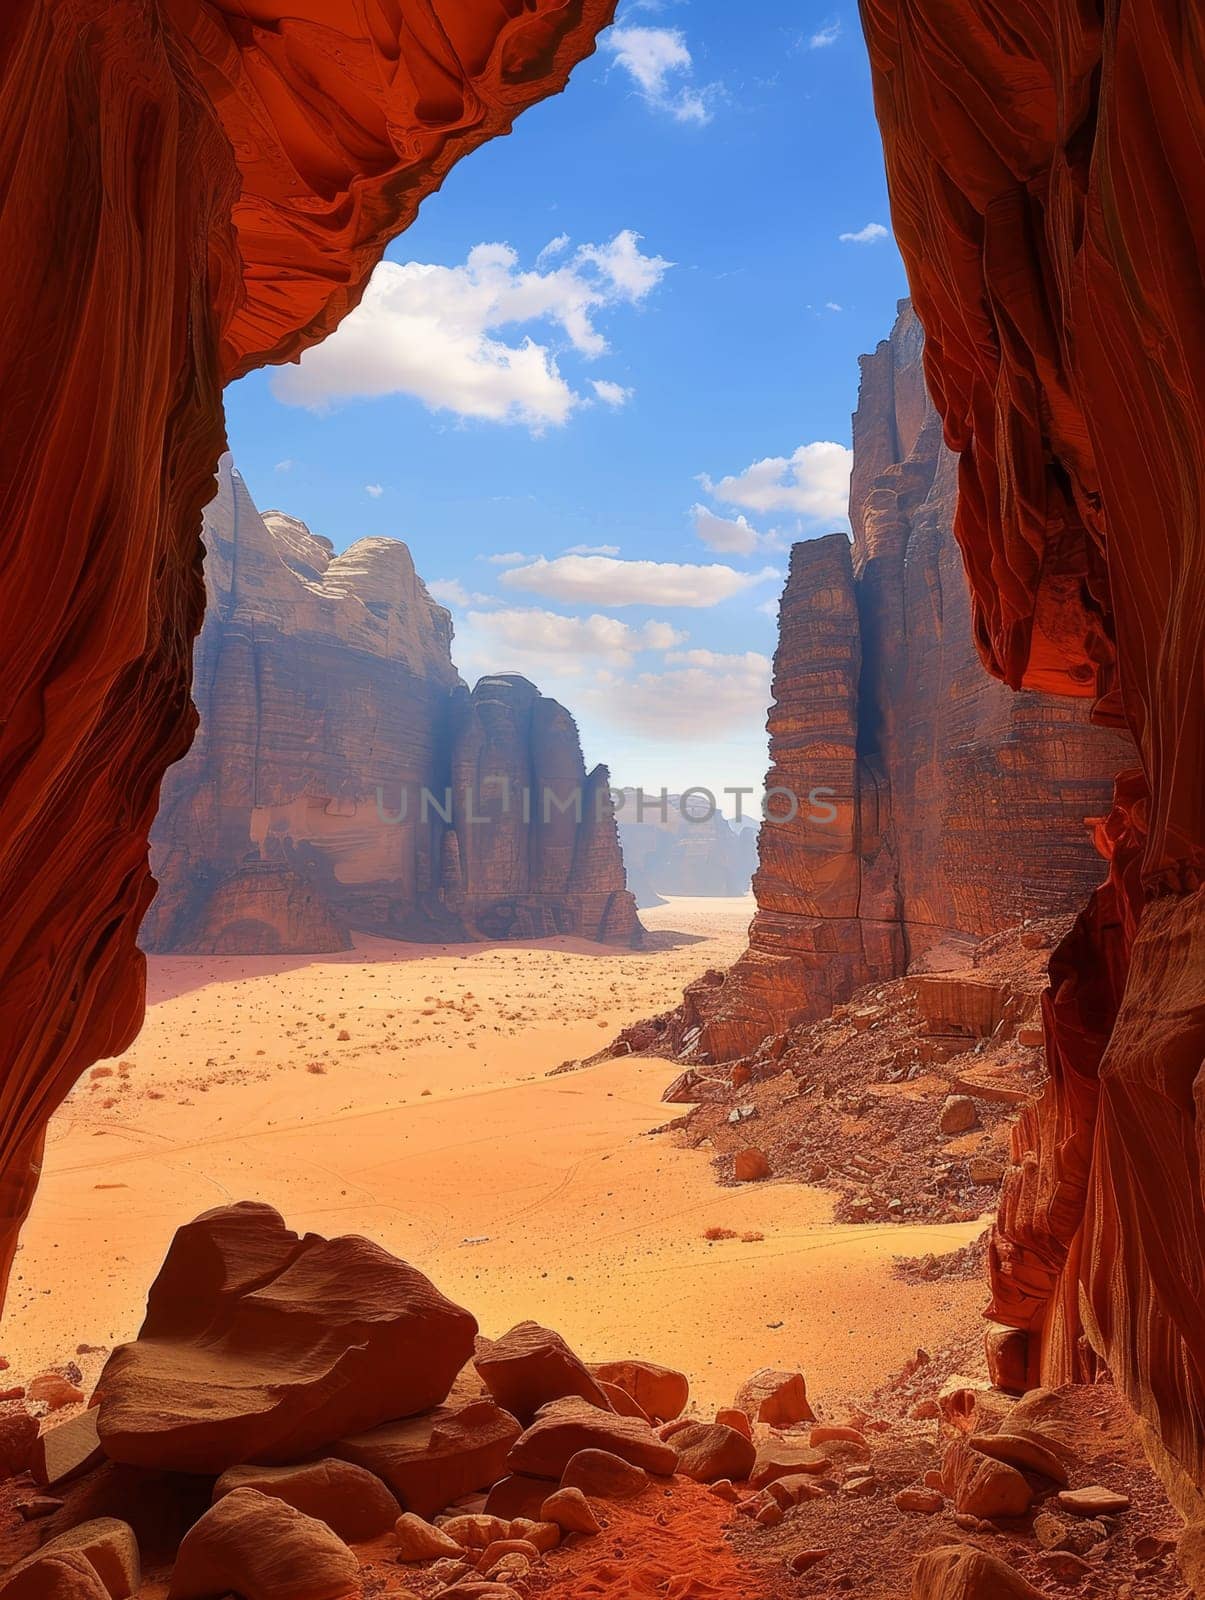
923	806
190	190
675	850
341	780
1046	180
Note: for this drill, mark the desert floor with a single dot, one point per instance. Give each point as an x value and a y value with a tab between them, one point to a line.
402	1091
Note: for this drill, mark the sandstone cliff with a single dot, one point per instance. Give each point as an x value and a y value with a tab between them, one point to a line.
943	807
677	853
1045	181
344	778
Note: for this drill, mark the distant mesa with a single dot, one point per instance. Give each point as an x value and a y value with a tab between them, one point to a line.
345	779
682	847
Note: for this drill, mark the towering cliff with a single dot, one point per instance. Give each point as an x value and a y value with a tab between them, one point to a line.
929	806
1046	174
344	778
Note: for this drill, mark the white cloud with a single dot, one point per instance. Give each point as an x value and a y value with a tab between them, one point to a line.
602	580
833	305
700	689
435	332
611	394
451	592
825	36
813	482
870	234
376	490
591	550
660	65
545	645
286	465
735	536
554	247
506	558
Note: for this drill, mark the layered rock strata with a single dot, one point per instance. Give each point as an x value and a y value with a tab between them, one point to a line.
344	778
1046	179
916	805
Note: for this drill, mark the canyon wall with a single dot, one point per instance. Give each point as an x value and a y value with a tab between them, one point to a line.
930	806
343	778
188	192
1046	179
671	851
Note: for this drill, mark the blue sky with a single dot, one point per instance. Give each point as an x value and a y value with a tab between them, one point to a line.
606	377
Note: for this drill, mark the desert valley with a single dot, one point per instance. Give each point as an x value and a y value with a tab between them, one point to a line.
428	1169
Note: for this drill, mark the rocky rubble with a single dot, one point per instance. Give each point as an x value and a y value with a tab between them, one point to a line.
988	1496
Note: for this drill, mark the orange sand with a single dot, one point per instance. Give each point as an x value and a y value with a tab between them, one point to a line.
521	1195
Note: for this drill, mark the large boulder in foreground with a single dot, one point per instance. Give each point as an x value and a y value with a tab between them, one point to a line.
353	1503
531	1365
105	1549
563	1428
262	1549
260	1346
430	1461
961	1572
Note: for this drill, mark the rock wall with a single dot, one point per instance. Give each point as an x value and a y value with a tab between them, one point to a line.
673	852
344	778
187	194
1046	181
930	805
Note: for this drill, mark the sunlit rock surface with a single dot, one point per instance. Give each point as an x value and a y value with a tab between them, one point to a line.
921	805
1046	178
343	778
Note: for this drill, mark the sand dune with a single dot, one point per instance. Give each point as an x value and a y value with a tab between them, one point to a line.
402	1091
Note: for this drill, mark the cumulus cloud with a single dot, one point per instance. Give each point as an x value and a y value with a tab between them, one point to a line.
659	63
870	234
604	581
611	394
436	332
506	558
376	490
699	689
732	535
451	592
544	645
813	483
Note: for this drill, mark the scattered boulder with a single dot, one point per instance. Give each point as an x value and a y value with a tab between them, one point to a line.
67	1576
67	1451
563	1428
660	1392
430	1461
516	1495
961	1572
109	1548
570	1511
262	1549
784	1458
621	1402
751	1166
981	1487
604	1476
501	1548
926	1502
793	1490
1094	1501
732	1418
530	1366
353	1503
1007	1351
54	1391
958	1115
18	1437
779	1398
1023	1452
418	1541
260	1345
708	1451
476	1530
